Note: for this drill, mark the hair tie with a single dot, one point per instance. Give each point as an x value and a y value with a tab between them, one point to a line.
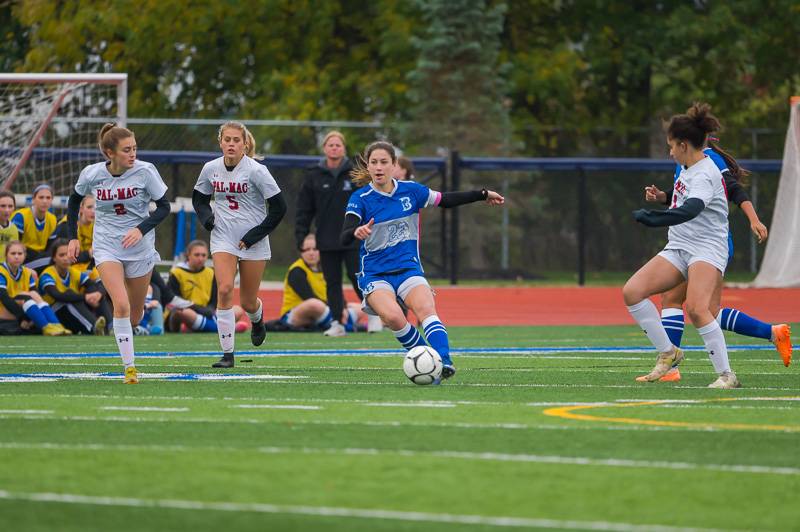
713	139
41	187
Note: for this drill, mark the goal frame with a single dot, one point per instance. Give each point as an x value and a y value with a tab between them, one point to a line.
120	80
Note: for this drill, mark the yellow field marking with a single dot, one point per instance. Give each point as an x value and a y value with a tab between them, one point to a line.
569	412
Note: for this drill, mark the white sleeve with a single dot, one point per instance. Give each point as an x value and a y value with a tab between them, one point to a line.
83	186
702	188
265	183
155	185
203	184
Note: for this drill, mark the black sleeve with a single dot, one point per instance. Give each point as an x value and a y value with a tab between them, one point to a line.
84	256
174	285
304	213
67	296
669	196
276	209
454	199
12	306
156	217
736	193
202	206
207	311
213	301
73	209
299	282
351	222
691	208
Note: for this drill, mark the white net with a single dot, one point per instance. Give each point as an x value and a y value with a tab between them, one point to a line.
781	267
48	128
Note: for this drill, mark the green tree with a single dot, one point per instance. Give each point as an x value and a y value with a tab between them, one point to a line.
458	94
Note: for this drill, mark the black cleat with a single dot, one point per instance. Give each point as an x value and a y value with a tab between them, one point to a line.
225	362
258	333
448	370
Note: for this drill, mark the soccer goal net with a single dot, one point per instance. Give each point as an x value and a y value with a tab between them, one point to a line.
781	267
49	125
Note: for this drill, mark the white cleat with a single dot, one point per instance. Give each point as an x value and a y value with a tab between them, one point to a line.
336	329
726	381
374	323
664	364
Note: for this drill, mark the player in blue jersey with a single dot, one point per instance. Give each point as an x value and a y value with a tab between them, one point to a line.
730	319
384	214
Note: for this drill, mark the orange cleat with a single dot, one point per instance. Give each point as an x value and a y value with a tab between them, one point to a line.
782	338
673	375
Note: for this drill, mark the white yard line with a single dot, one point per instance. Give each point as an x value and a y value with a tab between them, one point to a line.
414	405
279	407
146	408
328	511
12	411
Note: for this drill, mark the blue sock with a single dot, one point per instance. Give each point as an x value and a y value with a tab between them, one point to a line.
409	336
672	320
436	334
325	320
731	319
350	324
35	314
209	325
145	319
47	310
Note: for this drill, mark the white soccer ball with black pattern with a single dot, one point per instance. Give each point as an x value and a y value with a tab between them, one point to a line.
422	365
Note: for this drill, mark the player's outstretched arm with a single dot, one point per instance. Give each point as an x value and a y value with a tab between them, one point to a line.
454	199
349	226
276	209
690	208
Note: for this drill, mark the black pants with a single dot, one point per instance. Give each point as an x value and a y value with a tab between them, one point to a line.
76	317
331	262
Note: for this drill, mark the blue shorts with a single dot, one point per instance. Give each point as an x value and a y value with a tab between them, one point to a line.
400	283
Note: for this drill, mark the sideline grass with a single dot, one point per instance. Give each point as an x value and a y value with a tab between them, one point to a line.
350	444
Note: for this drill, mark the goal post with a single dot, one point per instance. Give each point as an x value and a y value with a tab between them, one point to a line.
780	267
49	125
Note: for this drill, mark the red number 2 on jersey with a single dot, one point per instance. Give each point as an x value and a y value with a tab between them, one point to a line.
232	203
119	209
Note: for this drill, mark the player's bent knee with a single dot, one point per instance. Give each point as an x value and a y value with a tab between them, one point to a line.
631	294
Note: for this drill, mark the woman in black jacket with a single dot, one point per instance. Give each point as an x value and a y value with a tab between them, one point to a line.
322	199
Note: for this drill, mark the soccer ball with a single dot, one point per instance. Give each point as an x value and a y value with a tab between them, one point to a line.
422	365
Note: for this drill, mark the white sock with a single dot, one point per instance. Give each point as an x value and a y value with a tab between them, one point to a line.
198	322
226	328
715	345
255	316
646	315
123	332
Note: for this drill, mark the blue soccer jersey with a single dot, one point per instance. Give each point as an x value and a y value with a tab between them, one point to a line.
394	243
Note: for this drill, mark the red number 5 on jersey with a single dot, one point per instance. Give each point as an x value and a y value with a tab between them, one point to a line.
232	203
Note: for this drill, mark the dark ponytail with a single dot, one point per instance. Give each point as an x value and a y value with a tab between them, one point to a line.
736	171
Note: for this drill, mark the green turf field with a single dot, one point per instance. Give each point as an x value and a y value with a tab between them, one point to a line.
559	438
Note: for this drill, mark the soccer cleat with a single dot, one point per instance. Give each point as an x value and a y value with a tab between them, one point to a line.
448	370
726	381
782	338
258	333
52	329
131	377
664	364
336	329
673	375
241	326
64	330
225	362
374	323
140	331
179	303
100	326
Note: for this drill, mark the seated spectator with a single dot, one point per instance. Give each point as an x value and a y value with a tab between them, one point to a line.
153	320
78	300
22	309
86	216
37	227
404	169
195	281
8	231
304	297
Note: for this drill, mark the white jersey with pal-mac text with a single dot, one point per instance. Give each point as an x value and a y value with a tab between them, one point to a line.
240	204
122	203
708	230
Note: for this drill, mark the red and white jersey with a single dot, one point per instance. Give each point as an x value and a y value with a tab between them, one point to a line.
709	229
122	203
240	203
